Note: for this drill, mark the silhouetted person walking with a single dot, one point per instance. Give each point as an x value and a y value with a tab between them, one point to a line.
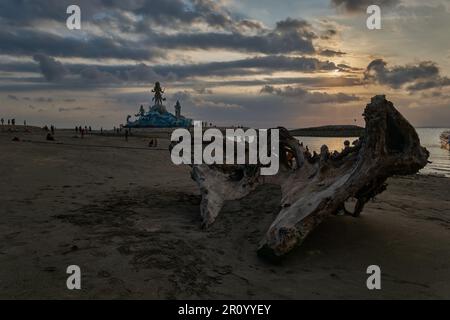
126	135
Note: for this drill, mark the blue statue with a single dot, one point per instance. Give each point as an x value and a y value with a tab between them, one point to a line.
158	91
158	116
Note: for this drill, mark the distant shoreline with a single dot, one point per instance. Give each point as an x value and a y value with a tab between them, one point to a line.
330	131
344	131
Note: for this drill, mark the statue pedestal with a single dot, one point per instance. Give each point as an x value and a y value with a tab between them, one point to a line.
158	108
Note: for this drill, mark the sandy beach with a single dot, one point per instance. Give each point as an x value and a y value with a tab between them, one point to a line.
130	219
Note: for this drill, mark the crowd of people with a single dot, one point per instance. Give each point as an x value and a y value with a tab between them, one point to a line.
80	130
84	130
10	122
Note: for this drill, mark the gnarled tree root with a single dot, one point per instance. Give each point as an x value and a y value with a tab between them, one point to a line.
315	187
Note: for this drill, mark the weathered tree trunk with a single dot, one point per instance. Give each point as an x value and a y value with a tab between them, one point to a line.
445	140
314	188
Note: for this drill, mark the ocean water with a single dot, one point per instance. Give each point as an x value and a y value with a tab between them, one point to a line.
429	138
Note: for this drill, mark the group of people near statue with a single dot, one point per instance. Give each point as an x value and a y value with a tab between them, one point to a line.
11	122
83	131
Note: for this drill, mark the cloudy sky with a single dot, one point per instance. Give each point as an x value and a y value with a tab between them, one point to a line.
259	63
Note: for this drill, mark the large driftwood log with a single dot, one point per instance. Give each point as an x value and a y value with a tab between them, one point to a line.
315	187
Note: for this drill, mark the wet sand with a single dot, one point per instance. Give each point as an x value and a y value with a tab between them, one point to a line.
130	219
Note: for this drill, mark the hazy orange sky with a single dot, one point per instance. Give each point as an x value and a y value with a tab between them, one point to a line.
257	63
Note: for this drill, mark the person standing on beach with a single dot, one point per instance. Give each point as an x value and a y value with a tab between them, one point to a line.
9	122
3	121
126	135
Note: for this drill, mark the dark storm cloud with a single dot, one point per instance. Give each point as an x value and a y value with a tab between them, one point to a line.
139	17
250	24
113	75
94	75
361	5
200	102
267	64
160	11
142	73
310	97
346	67
290	35
328	34
25	11
317	82
28	42
170	12
19	67
331	53
421	76
429	84
136	16
50	68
